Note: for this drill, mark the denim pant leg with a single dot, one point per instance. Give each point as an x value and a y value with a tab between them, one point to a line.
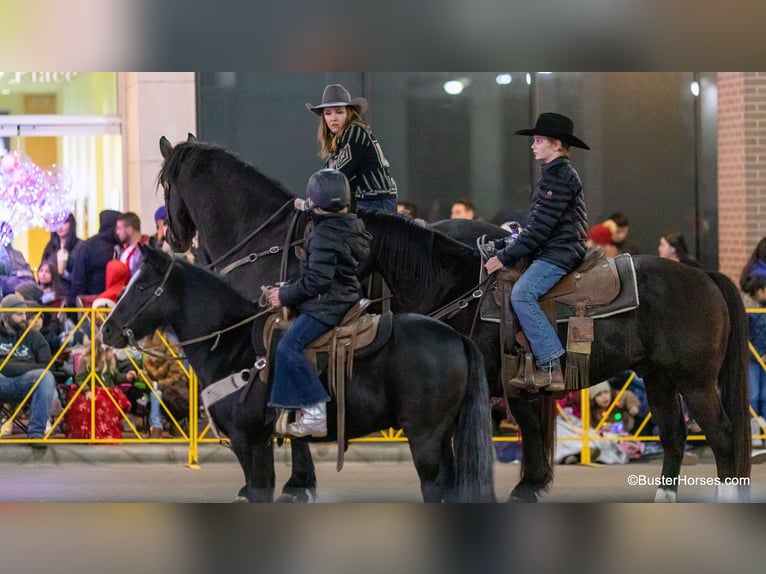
42	399
525	297
155	418
296	383
387	204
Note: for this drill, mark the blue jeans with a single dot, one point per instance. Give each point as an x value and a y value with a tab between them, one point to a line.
757	381
387	204
296	383
539	277
155	418
14	389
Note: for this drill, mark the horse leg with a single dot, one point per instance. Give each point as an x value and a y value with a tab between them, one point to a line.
303	481
536	470
436	469
665	405
258	457
705	407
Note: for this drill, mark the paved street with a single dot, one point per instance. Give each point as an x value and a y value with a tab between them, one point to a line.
50	478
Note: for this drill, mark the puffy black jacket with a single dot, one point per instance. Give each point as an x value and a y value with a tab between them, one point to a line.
558	223
91	257
328	286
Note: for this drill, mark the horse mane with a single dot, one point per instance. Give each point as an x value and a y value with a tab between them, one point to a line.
194	159
415	257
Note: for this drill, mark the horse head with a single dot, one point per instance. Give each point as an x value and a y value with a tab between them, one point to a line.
145	305
181	227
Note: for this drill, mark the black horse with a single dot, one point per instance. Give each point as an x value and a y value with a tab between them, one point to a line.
427	379
688	336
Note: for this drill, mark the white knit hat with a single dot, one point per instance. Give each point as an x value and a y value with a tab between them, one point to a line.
601	387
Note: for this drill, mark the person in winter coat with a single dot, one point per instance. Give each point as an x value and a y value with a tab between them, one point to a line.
91	257
323	293
554	239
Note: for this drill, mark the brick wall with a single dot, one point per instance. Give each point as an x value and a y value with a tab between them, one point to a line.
741	167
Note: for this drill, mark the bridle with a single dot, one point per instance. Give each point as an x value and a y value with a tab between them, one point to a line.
251	257
127	332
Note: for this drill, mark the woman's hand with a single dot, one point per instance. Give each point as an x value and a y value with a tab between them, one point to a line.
493	264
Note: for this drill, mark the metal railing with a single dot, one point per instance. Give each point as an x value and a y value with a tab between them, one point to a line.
198	431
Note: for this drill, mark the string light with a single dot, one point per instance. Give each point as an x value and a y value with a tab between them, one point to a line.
31	196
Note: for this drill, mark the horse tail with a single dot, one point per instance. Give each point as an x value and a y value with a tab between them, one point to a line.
733	377
474	449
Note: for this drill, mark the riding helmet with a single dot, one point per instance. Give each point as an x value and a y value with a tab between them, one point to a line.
328	189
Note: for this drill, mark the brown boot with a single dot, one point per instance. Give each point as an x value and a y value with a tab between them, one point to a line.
551	380
155	432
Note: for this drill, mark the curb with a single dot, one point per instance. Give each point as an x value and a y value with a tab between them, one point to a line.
179	453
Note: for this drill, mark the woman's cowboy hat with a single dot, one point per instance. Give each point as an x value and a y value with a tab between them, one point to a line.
336	95
554	126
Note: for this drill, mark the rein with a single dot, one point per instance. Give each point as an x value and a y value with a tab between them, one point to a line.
450	309
128	332
253	256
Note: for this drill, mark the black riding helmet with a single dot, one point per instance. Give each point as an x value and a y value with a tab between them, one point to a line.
328	189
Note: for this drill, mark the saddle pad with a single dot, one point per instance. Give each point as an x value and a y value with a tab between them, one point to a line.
626	300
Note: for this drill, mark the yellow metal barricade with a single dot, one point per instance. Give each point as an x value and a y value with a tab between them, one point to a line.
199	430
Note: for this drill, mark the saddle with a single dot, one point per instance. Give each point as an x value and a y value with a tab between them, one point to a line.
595	286
358	334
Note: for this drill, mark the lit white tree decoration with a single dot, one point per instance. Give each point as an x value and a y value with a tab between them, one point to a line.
31	196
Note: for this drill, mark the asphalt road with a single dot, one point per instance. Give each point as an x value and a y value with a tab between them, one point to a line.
46	480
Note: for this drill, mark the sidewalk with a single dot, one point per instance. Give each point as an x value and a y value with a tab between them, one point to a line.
178	453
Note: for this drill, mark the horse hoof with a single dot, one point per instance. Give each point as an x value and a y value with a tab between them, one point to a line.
664	495
240	498
523	495
297	497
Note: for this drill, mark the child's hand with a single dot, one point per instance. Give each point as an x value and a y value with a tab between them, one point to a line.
633	411
493	264
272	296
130	376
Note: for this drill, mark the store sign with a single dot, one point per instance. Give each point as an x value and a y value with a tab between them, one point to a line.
41	77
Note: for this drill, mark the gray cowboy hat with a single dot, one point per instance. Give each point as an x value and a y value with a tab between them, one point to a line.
554	126
336	95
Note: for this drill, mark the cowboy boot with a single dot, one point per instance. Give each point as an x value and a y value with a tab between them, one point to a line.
312	421
550	377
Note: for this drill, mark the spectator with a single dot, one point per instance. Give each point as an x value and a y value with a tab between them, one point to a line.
407	209
755	297
49	280
347	144
25	366
673	246
463	209
91	257
14	269
117	277
620	237
158	240
757	259
599	234
108	417
60	249
47	324
128	232
170	382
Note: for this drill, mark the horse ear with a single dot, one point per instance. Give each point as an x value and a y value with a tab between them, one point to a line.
191	138
165	147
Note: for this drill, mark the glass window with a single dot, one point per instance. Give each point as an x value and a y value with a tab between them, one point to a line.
76	93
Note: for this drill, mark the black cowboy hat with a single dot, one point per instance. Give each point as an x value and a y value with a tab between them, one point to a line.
554	126
336	95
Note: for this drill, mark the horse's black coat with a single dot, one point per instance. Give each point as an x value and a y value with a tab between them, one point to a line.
689	335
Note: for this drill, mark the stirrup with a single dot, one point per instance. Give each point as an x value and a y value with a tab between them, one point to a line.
280	426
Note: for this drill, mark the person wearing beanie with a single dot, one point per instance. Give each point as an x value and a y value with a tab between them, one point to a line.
25	366
323	293
158	240
622	416
600	234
